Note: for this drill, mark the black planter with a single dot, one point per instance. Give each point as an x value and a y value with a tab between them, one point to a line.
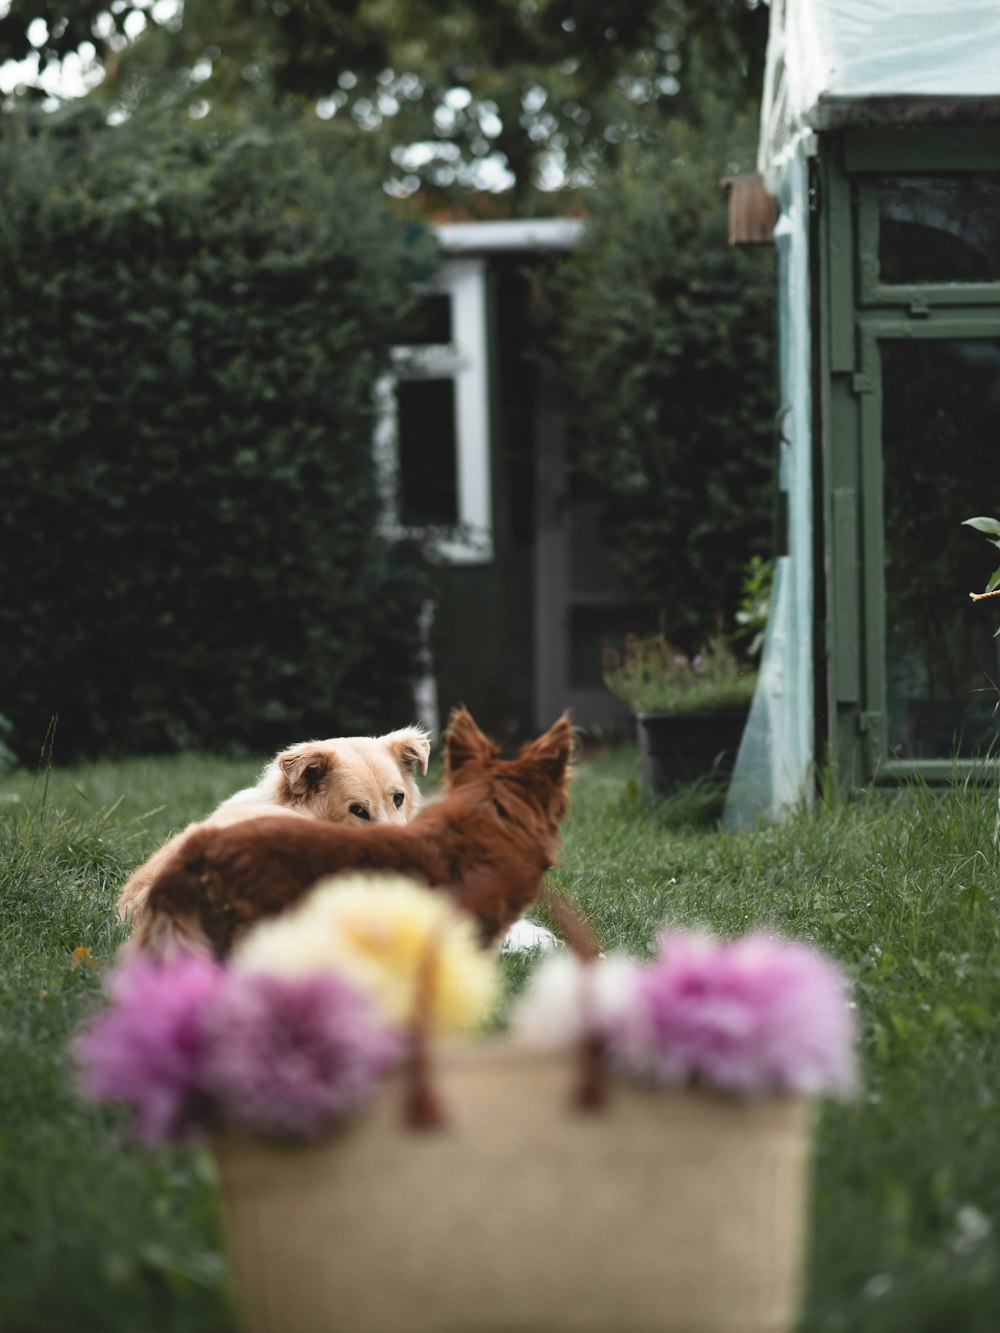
675	748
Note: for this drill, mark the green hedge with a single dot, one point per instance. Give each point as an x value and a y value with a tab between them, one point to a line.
666	336
191	325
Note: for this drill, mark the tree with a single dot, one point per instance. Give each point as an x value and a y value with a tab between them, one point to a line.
670	335
459	95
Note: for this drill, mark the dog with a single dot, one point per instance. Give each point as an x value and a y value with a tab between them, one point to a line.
487	841
363	780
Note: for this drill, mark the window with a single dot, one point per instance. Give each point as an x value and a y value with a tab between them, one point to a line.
938	227
432	439
940	423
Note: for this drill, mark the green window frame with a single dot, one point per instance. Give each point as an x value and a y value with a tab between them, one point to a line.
858	314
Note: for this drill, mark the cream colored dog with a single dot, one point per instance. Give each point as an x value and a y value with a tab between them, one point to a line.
348	780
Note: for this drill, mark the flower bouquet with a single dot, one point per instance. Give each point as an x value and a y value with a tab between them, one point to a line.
631	1154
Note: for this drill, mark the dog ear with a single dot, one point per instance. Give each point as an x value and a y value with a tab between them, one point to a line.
304	769
409	746
553	750
464	741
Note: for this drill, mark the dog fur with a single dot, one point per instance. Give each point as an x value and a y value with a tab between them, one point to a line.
348	780
487	841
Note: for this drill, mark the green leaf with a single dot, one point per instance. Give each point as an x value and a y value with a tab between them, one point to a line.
990	525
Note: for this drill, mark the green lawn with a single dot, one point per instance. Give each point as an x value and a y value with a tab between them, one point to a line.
902	889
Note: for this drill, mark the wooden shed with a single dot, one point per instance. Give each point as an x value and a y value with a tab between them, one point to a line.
472	449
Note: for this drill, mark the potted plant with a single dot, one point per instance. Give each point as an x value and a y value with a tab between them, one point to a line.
690	710
632	1153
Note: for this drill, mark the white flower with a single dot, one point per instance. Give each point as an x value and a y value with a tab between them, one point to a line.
567	998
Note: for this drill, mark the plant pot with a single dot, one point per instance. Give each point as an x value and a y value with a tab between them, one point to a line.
663	1212
675	748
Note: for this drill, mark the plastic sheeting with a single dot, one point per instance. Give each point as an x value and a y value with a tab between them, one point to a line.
870	48
774	764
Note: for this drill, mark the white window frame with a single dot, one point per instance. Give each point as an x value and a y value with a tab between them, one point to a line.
465	362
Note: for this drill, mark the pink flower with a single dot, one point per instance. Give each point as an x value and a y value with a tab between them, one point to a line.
147	1049
749	1015
289	1055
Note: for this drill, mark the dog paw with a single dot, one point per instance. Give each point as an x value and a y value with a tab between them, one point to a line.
524	935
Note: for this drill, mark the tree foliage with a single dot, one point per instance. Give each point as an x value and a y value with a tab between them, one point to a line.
459	94
668	334
193	325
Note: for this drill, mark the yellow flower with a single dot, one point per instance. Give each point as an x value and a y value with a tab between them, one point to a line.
381	932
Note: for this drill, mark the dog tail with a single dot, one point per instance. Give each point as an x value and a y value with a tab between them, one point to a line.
166	936
171	920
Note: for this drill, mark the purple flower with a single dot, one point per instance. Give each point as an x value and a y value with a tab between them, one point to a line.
147	1048
289	1055
749	1015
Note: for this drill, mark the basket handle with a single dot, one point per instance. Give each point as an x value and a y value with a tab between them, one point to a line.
591	1091
422	1107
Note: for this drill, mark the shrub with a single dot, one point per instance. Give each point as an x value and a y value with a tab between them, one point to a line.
193	323
654	676
668	336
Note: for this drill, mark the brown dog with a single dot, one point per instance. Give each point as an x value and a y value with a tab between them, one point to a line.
351	779
488	841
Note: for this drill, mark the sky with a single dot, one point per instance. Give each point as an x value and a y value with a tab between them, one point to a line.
79	72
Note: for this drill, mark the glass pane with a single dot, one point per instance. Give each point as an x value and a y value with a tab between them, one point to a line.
430	322
941	429
428	470
939	227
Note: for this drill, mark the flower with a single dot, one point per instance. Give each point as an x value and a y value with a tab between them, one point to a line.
291	1055
567	999
382	932
186	1041
654	676
748	1015
148	1049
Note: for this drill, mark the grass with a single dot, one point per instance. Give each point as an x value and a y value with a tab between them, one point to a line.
902	888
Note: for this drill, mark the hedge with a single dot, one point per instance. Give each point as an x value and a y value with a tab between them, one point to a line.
191	325
666	337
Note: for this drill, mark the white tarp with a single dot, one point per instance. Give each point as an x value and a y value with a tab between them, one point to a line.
871	48
774	766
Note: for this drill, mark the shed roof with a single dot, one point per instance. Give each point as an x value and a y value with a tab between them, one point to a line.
509	235
840	62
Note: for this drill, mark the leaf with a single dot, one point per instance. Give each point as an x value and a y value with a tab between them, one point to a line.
990	525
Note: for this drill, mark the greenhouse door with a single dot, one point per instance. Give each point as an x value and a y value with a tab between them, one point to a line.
912	441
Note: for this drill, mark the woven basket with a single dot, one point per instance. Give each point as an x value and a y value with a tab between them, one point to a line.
673	1212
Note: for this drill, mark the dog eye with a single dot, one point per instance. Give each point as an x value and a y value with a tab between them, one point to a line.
397	799
359	812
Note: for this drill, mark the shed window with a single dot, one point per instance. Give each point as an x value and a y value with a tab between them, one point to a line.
432	440
939	227
432	324
428	480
